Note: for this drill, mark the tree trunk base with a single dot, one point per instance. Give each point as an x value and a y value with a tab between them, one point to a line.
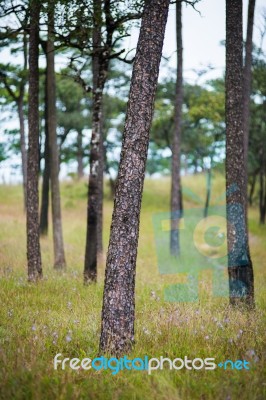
90	277
60	265
34	278
241	288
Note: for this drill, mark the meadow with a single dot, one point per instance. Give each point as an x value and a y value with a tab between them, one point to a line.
61	315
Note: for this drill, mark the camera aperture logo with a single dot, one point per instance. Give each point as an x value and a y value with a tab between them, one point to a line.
202	245
145	364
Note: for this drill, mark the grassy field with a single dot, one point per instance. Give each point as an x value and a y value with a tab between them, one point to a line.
60	315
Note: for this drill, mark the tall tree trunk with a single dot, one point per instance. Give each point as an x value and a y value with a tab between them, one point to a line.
94	208
80	154
176	184
59	254
247	80
241	281
46	173
33	242
118	314
23	148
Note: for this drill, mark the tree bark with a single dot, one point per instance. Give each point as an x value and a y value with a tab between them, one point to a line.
46	173
240	270
176	181
247	80
59	254
118	313
95	193
33	242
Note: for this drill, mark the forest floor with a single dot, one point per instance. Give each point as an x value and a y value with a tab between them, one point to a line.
60	315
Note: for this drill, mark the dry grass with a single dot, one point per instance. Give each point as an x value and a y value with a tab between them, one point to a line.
61	315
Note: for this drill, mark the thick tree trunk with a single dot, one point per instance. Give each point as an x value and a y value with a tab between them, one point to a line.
176	181
46	174
33	242
23	148
59	254
95	193
241	281
247	80
118	314
80	154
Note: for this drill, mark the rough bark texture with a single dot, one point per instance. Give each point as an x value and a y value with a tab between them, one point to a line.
33	243
46	173
176	181
59	254
80	155
95	193
248	78
241	281
118	314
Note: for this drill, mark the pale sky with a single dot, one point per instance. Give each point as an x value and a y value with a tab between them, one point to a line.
203	33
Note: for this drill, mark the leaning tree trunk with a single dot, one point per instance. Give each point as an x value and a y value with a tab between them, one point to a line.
176	181
118	314
247	80
46	173
95	193
241	281
33	242
59	254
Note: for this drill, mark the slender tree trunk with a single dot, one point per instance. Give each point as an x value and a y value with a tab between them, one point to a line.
176	184
118	314
33	242
59	254
100	200
241	281
262	196
247	80
23	148
94	208
262	193
80	154
252	188
208	191
46	174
